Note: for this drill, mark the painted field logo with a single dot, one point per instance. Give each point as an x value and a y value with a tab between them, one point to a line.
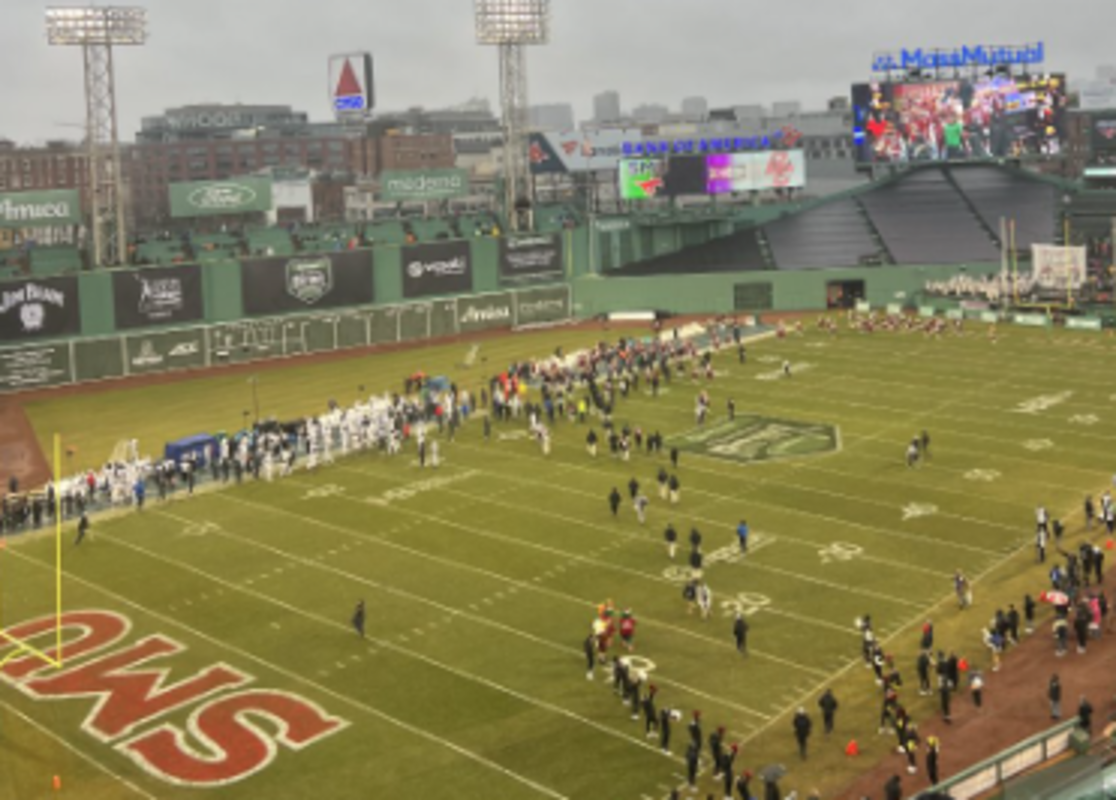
232	727
754	438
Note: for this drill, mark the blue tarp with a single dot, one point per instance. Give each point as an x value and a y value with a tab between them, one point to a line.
175	451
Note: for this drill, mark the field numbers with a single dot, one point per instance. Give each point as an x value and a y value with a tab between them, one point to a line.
1084	419
840	552
982	475
512	436
203	528
1046	402
916	510
323	492
746	603
768	359
1038	445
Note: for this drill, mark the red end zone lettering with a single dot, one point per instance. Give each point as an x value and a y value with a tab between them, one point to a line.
98	630
226	739
235	747
128	698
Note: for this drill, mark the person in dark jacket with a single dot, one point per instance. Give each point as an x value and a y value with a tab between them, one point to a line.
1085	715
932	748
893	789
740	634
1054	695
802	727
828	705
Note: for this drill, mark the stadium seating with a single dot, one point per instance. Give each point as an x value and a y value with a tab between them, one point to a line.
923	220
48	261
737	252
829	235
997	193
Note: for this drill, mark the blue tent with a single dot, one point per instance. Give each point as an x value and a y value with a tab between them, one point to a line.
176	451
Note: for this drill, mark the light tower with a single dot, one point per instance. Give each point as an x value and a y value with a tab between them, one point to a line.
97	30
512	25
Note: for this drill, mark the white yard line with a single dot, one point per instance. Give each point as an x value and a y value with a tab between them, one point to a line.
78	752
387	645
301	679
475	618
519	584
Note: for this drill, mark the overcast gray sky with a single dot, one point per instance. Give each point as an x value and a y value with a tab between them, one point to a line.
732	52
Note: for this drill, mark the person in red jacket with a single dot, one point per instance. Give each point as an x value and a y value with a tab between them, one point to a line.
627	629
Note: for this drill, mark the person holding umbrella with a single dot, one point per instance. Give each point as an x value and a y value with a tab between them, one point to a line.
770	776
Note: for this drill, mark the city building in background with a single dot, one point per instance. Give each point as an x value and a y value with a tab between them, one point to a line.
551	117
695	109
606	107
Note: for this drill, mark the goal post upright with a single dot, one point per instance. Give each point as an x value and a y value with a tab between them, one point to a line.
57	551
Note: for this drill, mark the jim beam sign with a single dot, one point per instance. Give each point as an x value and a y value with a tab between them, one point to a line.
32	309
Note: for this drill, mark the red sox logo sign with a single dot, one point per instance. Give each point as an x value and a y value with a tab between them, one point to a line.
232	731
780	169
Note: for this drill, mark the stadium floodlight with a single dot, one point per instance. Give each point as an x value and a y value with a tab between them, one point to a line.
97	30
512	25
513	21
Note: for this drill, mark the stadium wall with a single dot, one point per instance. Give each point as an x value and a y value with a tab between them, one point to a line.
800	290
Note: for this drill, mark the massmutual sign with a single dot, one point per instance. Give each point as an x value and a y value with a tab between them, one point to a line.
980	55
397	186
40	209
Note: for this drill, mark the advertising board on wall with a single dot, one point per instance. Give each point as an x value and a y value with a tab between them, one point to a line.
1104	133
40	209
530	258
34	367
158	296
242	195
437	268
277	285
641	178
754	172
33	308
1056	267
577	151
401	186
542	306
485	312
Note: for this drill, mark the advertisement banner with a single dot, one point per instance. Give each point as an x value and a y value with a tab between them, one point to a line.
1104	133
34	367
40	209
641	178
755	172
542	306
926	311
1032	320
398	186
530	258
33	308
1083	323
577	151
1056	267
158	296
955	313
437	268
277	285
484	312
159	352
243	195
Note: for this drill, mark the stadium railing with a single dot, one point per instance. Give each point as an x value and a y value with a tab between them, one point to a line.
992	773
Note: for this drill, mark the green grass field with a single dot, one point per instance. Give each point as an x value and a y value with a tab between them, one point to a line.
481	578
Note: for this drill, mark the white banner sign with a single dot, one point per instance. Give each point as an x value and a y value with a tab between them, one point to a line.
1057	267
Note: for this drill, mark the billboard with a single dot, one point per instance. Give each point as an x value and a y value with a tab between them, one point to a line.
685	175
351	90
484	312
40	209
243	195
1058	268
1104	133
575	151
437	268
959	119
39	307
400	186
329	280
640	178
157	296
754	172
530	258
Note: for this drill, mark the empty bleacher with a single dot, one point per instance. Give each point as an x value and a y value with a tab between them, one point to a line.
997	193
737	252
923	220
829	235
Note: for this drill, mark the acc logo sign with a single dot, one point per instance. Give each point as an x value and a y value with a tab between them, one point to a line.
233	730
221	196
310	281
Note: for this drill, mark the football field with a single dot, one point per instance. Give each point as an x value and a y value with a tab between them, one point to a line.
218	657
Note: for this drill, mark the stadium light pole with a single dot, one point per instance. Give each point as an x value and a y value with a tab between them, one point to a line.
97	30
512	26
